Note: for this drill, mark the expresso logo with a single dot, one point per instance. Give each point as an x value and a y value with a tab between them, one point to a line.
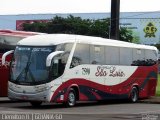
150	30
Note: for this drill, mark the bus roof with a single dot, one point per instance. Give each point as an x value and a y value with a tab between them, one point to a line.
55	39
13	33
9	38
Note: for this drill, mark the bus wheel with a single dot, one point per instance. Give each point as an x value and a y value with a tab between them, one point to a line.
71	99
134	95
35	103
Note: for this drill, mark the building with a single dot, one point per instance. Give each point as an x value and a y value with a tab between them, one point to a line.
144	25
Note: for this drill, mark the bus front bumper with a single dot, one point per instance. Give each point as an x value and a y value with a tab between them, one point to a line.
39	96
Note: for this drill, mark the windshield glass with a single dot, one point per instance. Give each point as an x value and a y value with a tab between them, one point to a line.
29	65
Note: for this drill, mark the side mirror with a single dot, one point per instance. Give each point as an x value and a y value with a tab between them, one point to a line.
50	57
5	55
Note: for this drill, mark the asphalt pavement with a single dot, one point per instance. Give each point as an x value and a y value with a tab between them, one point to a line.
154	99
147	109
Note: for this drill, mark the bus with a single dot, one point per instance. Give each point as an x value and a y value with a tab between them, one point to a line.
64	68
8	41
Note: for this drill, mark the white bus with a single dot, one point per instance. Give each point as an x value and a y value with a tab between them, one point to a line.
68	68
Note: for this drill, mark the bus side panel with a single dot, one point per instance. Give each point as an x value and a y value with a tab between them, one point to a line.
148	87
4	76
145	78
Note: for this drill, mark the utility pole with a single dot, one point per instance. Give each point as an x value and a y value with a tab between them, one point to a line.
114	27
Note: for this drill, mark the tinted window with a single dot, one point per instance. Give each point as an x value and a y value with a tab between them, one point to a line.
59	61
112	55
97	54
67	49
125	56
150	57
138	57
81	55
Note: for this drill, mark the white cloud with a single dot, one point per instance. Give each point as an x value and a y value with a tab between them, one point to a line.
53	6
73	6
139	5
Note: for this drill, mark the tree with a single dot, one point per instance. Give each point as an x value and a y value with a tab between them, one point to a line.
36	27
77	25
126	35
100	28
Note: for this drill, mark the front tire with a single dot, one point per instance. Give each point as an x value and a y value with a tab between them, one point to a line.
71	99
134	95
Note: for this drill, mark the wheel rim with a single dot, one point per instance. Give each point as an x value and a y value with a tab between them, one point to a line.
134	96
71	99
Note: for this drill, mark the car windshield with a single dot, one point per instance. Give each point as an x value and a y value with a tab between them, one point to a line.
29	65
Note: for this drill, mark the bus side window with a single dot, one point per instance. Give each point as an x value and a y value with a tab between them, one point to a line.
81	55
126	56
57	67
67	49
138	57
112	55
150	57
75	61
97	54
54	68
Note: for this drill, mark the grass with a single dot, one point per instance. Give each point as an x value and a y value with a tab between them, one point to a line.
158	86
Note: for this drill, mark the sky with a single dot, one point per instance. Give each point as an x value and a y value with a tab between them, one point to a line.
8	7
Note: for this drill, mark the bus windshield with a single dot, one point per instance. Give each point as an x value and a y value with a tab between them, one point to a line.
28	66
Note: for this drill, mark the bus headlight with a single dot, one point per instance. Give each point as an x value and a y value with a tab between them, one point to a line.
41	89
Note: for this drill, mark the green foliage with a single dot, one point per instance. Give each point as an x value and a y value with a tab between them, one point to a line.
126	35
158	86
76	25
136	39
36	27
100	28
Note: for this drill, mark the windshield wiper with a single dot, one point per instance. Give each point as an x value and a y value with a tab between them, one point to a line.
24	70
